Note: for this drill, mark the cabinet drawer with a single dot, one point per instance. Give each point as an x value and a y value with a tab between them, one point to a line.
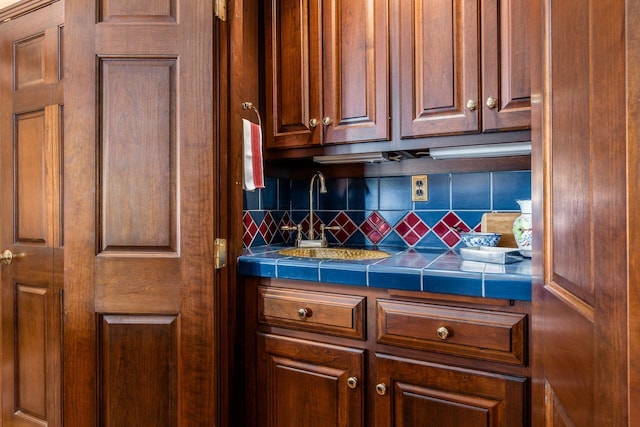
327	313
480	334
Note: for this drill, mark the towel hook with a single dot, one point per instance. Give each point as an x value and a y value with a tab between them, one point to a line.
249	106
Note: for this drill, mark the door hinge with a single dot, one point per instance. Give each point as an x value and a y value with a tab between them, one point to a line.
220	253
220	9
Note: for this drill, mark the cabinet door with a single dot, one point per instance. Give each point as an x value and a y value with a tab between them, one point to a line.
355	71
303	383
438	67
506	86
413	393
293	39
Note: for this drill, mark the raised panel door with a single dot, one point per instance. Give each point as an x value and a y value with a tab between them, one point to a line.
439	67
31	115
306	383
506	83
413	393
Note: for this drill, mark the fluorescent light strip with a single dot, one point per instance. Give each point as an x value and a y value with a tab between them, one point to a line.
476	151
339	159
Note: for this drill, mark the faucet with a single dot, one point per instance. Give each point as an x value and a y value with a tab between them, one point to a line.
323	190
311	241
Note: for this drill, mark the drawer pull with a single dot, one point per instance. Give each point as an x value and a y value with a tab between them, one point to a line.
304	313
352	382
381	389
443	333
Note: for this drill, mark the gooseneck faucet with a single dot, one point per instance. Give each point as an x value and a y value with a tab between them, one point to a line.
323	190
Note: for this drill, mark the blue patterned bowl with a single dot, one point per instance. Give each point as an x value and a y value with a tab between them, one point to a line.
472	239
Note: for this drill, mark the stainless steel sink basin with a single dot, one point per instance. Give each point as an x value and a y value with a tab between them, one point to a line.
334	253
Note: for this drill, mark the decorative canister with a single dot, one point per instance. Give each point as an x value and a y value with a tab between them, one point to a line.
522	228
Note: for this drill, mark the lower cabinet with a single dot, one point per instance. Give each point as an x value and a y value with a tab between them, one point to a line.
413	393
388	363
303	383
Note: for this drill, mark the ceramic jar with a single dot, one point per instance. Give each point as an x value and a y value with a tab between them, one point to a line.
522	228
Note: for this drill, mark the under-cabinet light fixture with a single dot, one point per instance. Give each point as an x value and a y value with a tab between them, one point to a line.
340	159
476	151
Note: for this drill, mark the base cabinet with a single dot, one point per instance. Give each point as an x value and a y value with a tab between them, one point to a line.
303	383
413	393
389	363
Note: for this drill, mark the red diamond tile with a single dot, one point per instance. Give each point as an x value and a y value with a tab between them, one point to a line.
347	227
375	228
411	228
268	228
449	227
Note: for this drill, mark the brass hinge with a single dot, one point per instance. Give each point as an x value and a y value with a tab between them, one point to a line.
220	253
220	9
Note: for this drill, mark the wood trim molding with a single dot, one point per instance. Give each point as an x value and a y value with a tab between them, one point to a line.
21	8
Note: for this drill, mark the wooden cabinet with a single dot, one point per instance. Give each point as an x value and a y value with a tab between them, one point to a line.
417	393
464	66
367	357
326	72
309	383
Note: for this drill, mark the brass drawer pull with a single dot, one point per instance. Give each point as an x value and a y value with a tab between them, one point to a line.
352	382
381	389
304	313
443	333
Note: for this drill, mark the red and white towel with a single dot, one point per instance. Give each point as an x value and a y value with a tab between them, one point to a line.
253	176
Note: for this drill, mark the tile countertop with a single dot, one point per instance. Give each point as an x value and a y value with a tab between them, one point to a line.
428	270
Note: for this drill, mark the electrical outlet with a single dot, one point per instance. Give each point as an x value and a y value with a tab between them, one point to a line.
419	191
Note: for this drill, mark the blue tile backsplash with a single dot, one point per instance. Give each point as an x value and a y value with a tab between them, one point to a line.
379	211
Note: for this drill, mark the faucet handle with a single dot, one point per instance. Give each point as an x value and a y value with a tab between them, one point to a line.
323	237
297	228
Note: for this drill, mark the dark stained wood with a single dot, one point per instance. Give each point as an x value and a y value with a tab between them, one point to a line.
305	383
439	66
479	334
30	164
326	313
505	52
140	196
581	281
422	393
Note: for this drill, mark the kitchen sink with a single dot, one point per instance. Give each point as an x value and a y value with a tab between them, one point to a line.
334	253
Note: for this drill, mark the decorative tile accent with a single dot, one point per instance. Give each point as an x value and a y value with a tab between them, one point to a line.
375	228
411	228
250	229
286	220
268	228
347	227
444	229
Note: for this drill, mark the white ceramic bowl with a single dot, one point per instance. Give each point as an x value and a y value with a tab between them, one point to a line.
473	239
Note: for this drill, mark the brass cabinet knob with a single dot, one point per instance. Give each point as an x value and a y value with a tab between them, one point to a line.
6	257
304	313
352	382
327	121
313	123
381	389
472	104
442	332
492	102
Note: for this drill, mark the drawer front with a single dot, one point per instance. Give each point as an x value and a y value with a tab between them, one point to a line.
327	313
480	334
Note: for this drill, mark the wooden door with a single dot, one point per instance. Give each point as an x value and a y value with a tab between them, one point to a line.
355	71
412	394
505	57
579	328
140	214
30	217
311	384
293	58
439	67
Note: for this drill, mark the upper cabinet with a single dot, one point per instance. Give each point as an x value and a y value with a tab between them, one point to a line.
327	72
464	66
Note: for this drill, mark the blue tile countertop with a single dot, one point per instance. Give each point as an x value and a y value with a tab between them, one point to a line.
428	270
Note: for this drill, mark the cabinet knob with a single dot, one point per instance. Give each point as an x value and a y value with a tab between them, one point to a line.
6	257
313	123
381	389
442	332
304	313
472	104
352	382
327	121
492	102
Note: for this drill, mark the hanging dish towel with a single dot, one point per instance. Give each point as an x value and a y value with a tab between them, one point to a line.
253	176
